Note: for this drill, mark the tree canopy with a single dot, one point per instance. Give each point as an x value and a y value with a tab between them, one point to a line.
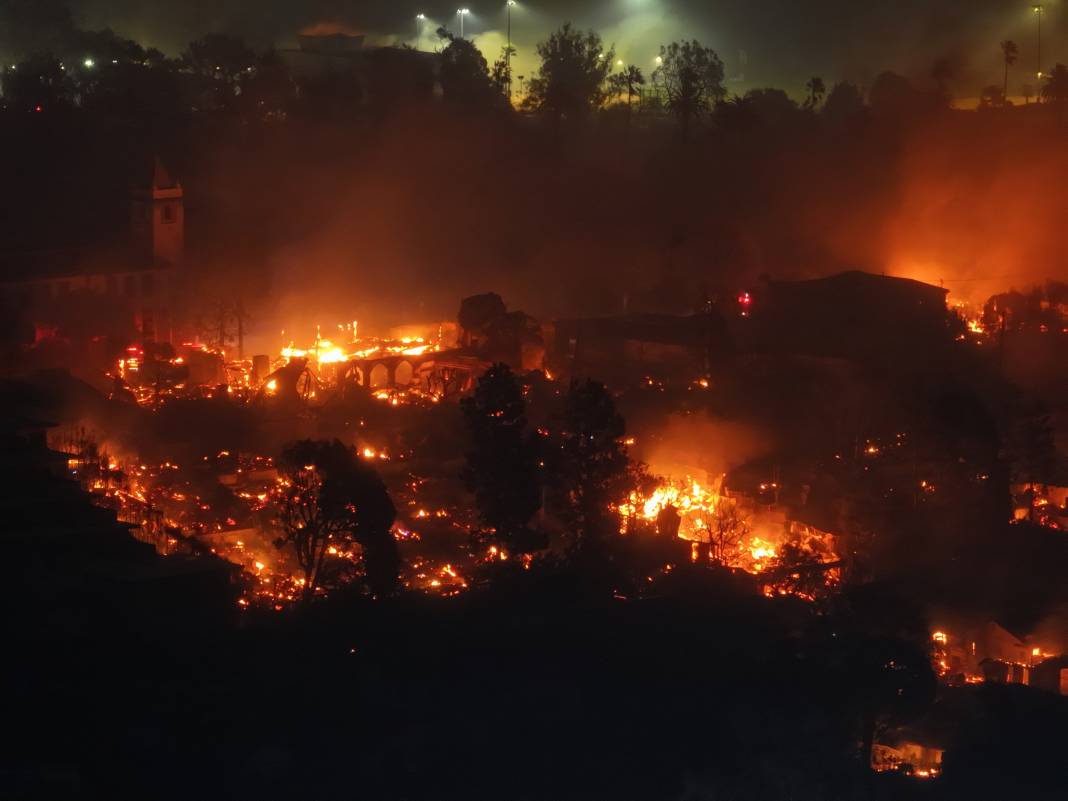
690	76
592	466
465	77
570	81
502	464
334	500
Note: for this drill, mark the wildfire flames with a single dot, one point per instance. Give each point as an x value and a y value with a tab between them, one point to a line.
173	514
197	370
170	513
720	530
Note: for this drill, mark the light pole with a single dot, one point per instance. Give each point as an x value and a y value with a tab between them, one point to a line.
461	13
419	20
508	51
1039	12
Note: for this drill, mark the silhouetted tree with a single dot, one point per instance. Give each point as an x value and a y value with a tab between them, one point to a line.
816	91
269	90
592	466
771	108
501	73
465	77
1055	89
628	82
103	47
893	96
727	529
1009	53
37	84
221	63
844	104
797	570
334	500
690	76
502	464
219	56
570	82
135	90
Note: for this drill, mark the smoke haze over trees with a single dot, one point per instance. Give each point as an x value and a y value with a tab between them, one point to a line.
372	218
784	43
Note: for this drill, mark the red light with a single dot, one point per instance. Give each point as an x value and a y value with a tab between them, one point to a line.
38	109
744	301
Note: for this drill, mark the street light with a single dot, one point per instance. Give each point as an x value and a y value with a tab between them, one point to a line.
89	63
461	13
1039	12
659	60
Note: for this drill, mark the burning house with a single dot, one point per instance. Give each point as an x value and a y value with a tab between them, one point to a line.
910	750
1045	503
995	653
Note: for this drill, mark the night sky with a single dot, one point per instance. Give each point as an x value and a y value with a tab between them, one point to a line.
769	42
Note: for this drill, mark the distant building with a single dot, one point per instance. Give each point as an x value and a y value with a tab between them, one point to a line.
127	282
850	315
317	54
659	346
1051	675
488	331
909	752
995	653
398	70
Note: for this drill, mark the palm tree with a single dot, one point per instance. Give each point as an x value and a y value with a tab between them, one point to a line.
816	91
628	82
1009	51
